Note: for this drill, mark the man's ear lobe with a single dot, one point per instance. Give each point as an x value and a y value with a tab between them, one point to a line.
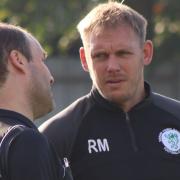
17	60
83	59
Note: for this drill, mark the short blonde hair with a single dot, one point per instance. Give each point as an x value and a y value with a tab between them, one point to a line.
112	14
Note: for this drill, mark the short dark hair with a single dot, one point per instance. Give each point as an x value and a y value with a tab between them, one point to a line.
12	38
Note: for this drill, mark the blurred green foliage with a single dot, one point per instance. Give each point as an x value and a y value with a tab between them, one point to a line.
53	22
167	30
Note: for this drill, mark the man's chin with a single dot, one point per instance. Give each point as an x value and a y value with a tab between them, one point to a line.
116	97
49	108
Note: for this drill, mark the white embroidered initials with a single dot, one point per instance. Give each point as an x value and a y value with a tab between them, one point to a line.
98	145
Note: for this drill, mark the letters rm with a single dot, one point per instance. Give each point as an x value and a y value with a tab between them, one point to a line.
98	145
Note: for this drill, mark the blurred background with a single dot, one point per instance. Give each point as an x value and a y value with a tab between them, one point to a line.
54	22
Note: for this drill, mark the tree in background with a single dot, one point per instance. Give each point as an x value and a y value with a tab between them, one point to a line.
167	30
54	22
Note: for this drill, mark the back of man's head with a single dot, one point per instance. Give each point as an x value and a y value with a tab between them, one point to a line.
11	38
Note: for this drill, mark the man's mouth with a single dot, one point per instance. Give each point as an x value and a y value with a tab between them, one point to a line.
116	81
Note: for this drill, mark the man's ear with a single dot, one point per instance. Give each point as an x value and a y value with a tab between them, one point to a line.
17	60
148	52
83	59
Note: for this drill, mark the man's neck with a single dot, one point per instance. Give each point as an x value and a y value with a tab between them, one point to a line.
15	103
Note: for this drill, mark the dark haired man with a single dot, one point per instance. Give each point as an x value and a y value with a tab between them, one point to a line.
25	94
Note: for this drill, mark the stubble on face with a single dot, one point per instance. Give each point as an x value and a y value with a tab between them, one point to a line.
41	99
111	42
39	91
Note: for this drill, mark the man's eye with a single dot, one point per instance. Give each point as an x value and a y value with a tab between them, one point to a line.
123	53
100	56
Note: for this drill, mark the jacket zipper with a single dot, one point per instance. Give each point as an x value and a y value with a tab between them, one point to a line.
132	135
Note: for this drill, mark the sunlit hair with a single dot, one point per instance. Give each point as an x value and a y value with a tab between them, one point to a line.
111	15
12	38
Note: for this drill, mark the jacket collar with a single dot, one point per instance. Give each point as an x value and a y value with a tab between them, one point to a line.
15	118
97	97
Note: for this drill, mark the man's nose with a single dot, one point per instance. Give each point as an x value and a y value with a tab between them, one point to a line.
113	64
51	79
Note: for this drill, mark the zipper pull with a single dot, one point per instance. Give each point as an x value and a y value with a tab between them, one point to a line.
66	163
